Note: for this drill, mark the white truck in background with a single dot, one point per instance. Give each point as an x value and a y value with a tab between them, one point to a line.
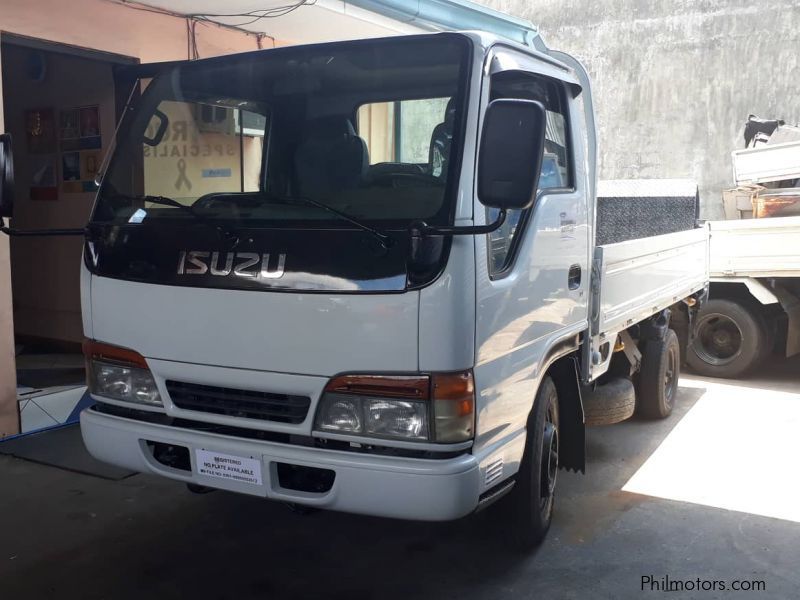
402	333
753	310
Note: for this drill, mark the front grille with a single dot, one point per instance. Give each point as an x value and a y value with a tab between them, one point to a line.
247	404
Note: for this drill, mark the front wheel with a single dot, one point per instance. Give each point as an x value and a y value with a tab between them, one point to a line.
529	506
658	377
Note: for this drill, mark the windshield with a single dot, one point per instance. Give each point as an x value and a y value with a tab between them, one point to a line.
371	129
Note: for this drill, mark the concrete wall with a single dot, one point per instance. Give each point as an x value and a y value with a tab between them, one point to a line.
674	80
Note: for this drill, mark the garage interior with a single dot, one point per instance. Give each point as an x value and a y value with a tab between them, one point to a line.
709	493
51	85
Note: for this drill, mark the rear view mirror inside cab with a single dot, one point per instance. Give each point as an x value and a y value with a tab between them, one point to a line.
158	127
511	151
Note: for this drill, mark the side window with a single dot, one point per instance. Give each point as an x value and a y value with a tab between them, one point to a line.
556	165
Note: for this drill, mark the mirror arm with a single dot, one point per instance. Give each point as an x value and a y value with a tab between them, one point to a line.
39	232
420	229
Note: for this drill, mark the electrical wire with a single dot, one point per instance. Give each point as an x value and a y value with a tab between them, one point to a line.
254	15
250	13
195	53
192	19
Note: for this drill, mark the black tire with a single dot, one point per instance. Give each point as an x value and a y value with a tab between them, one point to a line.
528	508
657	385
729	340
609	403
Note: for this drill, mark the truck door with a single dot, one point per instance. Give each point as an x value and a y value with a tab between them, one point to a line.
532	273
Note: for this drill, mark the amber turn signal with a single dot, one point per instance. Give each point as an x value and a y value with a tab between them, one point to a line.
384	386
93	349
454	406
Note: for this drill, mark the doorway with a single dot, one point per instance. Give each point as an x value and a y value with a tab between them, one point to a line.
60	106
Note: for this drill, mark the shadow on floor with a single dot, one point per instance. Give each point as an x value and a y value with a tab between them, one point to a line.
62	448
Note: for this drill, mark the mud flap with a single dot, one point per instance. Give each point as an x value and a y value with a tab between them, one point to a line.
572	454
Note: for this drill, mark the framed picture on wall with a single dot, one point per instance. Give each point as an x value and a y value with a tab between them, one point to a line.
71	166
90	164
70	124
79	128
90	128
40	130
90	121
79	132
44	185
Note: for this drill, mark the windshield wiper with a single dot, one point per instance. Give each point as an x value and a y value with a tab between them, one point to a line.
384	240
230	234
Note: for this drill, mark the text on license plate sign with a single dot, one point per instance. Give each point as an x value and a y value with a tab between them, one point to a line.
226	466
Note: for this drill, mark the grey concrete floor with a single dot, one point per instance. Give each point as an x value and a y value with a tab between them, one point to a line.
65	535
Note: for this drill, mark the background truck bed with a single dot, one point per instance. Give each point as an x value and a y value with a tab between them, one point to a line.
770	162
638	278
755	247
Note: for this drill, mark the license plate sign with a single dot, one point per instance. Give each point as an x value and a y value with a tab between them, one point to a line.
226	466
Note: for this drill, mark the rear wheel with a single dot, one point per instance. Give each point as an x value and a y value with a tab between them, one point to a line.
658	377
730	340
529	506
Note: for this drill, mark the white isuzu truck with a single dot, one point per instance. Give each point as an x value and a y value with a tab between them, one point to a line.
362	276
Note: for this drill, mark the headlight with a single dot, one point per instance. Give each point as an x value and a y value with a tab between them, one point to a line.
437	408
397	418
379	417
120	374
340	414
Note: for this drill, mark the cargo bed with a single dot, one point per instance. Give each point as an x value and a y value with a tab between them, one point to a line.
638	278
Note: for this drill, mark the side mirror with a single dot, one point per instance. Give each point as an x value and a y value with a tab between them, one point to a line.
6	176
511	151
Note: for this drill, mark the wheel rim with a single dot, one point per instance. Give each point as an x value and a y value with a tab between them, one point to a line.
671	374
719	339
549	464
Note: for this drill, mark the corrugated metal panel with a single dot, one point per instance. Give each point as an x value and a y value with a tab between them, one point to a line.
629	209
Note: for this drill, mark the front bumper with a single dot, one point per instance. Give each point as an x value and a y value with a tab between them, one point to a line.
385	486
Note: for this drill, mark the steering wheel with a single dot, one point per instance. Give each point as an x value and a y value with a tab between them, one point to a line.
226	205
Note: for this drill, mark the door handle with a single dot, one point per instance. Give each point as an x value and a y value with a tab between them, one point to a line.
574	277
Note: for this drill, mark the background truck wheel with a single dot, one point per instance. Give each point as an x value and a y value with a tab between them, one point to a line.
658	376
610	403
729	340
528	508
